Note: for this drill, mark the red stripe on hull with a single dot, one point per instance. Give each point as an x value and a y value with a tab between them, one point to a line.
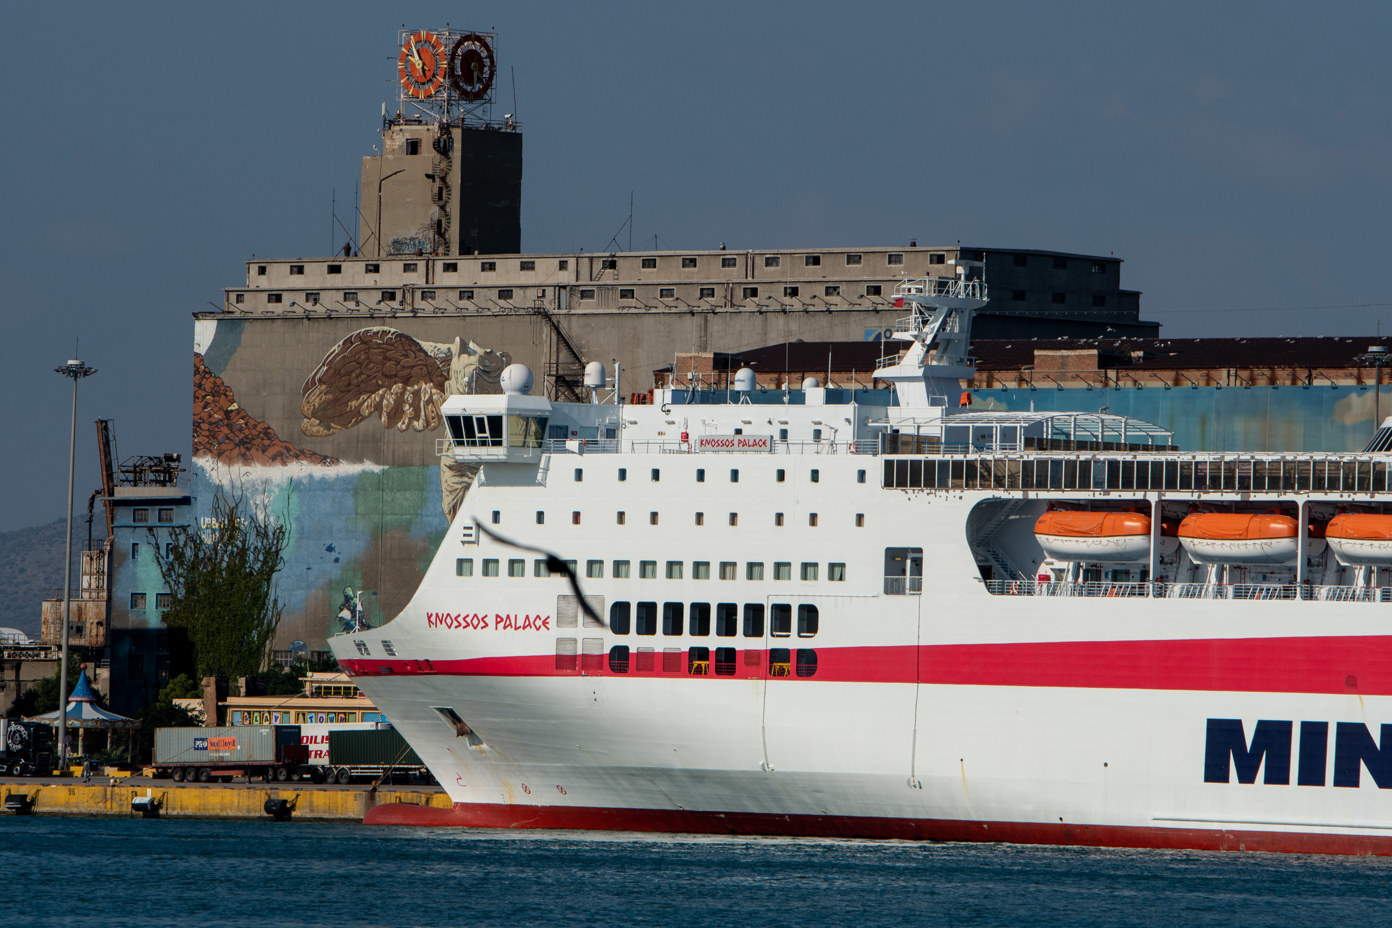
667	821
1343	664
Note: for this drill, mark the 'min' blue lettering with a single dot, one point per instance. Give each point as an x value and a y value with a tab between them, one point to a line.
1354	748
1226	746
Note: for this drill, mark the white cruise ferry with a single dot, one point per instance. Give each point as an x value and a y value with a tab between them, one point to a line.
907	620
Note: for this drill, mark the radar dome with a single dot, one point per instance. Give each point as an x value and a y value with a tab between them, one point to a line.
810	383
594	375
516	378
744	379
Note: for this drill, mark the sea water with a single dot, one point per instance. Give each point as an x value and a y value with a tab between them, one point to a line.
78	872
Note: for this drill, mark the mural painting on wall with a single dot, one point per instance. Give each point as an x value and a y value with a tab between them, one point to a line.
227	433
403	381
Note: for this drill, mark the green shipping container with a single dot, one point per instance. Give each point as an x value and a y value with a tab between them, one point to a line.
383	747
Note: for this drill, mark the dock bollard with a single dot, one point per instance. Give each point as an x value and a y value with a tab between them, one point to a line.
148	805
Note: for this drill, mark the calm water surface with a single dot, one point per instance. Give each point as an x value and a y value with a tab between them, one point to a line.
79	872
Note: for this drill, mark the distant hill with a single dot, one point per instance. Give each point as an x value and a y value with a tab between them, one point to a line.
31	568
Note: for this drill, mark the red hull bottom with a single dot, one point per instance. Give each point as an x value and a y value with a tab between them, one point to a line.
472	815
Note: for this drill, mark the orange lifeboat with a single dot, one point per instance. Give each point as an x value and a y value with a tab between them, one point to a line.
1081	535
1239	538
1361	539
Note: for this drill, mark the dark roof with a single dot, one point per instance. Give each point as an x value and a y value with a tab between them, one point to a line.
1183	353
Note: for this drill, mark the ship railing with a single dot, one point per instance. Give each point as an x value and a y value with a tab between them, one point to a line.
866	446
1348	594
1165	590
903	586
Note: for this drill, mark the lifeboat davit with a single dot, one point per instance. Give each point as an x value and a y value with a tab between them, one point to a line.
1239	538
1079	535
1361	539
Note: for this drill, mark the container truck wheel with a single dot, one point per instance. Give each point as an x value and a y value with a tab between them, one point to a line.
317	775
204	774
343	776
282	774
177	774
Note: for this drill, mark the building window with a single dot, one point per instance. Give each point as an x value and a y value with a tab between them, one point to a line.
667	293
137	601
772	260
832	290
790	291
1018	295
408	267
782	570
527	266
620	571
413	146
1060	298
894	258
754	570
649	264
873	290
135	551
1099	299
811	260
260	270
372	268
853	259
688	262
140	516
647	570
836	572
700	570
466	294
388	296
488	266
505	294
563	264
464	567
609	264
450	267
350	296
334	269
727	261
312	297
165	516
751	293
674	570
273	298
707	293
164	600
727	570
587	293
517	567
239	298
625	293
297	270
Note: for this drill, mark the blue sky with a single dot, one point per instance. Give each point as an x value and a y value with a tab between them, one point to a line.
1236	155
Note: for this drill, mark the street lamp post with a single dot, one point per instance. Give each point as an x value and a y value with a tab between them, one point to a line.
76	370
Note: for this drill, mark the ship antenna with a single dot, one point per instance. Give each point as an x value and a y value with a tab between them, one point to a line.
553	564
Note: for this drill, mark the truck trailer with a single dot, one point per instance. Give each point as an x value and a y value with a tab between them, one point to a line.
270	752
26	748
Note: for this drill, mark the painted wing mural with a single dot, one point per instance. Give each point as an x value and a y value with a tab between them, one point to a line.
403	381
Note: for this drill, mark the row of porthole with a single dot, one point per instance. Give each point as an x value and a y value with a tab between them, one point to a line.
647	570
694	661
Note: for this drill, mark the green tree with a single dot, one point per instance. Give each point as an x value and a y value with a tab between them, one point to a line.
221	578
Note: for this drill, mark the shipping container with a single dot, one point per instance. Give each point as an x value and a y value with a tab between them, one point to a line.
379	754
270	751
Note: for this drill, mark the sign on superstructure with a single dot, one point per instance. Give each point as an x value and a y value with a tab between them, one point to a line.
445	75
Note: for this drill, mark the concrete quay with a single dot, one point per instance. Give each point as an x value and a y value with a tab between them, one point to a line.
166	799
